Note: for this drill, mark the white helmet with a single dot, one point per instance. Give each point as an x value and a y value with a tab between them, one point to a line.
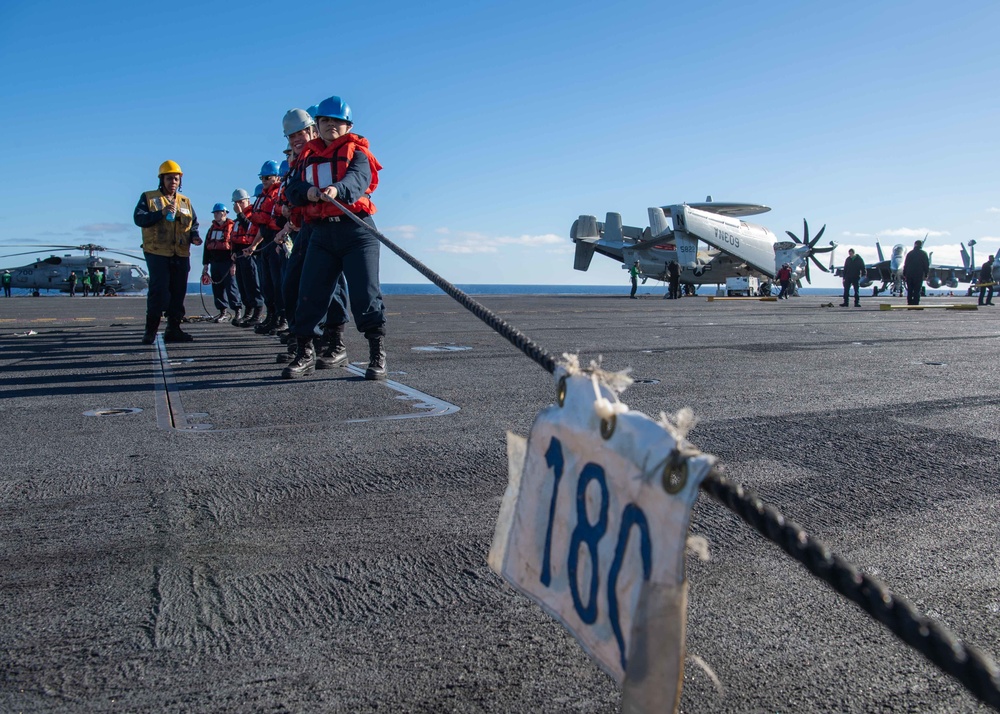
296	120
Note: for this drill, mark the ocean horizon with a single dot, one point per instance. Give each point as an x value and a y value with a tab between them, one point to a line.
658	289
651	289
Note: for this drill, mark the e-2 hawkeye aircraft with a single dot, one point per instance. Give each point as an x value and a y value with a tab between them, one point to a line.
52	273
890	271
734	247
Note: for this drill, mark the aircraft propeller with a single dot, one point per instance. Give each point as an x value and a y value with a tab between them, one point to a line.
813	250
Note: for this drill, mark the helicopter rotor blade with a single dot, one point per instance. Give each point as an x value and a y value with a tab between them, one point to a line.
89	247
14	255
42	246
128	255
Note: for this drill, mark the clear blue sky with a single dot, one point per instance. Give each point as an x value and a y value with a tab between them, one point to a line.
498	123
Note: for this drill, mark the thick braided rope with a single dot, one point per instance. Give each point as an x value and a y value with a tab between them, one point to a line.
975	669
505	329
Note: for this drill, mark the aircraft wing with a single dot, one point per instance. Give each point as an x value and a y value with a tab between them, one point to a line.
749	243
734	210
957	269
873	270
944	274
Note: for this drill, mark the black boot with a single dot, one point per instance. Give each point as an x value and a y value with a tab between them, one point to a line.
238	315
268	323
174	333
279	325
376	358
334	352
253	318
289	354
152	325
304	362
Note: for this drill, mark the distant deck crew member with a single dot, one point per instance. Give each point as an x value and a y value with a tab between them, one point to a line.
785	280
218	262
916	266
674	276
271	259
338	165
7	279
986	276
169	229
247	281
633	274
854	268
250	251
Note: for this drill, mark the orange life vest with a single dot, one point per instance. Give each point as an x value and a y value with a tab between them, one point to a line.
241	234
323	165
295	212
261	215
220	237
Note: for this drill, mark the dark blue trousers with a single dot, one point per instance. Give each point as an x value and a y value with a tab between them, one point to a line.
272	263
223	285
248	282
855	284
335	248
336	314
167	285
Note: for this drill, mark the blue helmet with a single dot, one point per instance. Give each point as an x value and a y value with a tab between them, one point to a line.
259	191
283	169
270	168
220	207
311	111
336	108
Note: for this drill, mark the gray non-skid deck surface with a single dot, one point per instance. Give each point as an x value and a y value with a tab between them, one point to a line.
330	566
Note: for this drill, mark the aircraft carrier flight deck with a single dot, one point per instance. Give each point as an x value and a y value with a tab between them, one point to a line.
183	530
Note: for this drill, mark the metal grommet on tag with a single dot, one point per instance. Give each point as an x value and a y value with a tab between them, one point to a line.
608	426
675	474
561	391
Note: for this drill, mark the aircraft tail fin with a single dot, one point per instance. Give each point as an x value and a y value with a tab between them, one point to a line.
585	233
878	247
584	254
966	258
613	229
585	228
657	221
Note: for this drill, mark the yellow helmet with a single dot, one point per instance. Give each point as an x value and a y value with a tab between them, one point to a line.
170	167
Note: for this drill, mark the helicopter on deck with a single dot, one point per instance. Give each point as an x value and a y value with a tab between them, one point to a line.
53	273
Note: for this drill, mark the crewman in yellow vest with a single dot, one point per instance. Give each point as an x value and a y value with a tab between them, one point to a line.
169	229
